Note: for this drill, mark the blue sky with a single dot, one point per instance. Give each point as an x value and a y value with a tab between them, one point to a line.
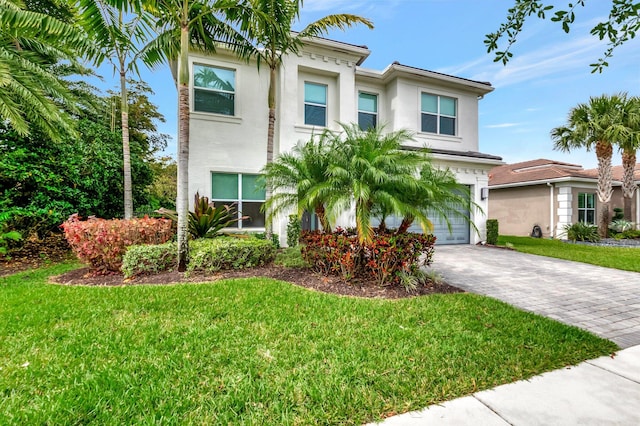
548	75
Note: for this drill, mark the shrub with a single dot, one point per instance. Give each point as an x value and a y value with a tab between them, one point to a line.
294	228
275	238
230	253
618	213
149	259
620	225
5	237
582	232
383	260
102	243
492	231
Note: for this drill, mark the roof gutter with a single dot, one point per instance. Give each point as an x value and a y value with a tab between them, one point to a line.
545	181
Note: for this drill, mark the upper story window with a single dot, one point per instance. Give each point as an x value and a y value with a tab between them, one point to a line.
214	89
315	104
242	190
438	114
587	208
367	110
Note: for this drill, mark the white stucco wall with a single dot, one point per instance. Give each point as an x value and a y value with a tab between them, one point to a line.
221	143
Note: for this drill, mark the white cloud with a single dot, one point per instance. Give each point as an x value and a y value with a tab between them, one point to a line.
502	125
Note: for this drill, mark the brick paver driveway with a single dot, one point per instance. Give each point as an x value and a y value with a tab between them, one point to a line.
602	300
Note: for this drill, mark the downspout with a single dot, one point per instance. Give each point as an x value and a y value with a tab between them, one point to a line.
551	215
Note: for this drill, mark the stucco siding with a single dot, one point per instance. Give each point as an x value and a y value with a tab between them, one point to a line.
519	209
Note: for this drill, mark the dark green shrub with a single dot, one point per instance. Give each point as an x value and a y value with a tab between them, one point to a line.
230	253
383	260
294	227
582	232
149	259
618	213
492	231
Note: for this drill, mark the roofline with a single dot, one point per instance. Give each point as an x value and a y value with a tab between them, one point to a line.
359	50
553	180
396	67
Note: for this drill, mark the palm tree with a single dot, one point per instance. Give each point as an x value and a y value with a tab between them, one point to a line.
31	94
268	25
629	145
183	26
372	171
598	124
118	41
299	179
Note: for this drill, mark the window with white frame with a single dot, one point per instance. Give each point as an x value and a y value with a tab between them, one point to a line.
367	110
214	89
241	190
438	114
315	104
587	207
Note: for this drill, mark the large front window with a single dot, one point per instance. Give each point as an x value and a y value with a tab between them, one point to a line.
241	190
367	110
587	208
438	114
315	104
214	89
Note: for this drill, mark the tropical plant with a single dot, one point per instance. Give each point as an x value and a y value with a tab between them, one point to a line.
5	237
299	179
629	144
268	26
581	231
206	220
33	96
183	26
597	124
621	225
117	38
372	170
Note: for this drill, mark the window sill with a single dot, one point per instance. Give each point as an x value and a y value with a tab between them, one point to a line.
447	138
305	128
209	116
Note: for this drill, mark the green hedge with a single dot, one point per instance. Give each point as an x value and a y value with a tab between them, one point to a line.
206	255
492	231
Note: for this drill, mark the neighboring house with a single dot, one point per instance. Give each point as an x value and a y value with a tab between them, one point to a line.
323	85
550	194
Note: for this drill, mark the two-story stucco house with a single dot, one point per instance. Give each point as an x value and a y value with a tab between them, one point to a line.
322	85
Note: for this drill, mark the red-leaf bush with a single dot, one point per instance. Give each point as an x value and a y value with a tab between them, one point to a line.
382	260
102	243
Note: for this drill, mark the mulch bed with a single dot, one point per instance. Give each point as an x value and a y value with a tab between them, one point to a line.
299	276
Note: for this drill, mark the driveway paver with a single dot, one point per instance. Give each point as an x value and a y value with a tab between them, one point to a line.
602	300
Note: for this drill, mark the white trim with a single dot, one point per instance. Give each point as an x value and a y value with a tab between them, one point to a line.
556	180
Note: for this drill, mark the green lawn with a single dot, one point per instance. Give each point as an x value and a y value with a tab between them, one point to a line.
624	258
256	351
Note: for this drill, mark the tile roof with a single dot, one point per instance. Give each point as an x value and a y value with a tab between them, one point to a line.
543	169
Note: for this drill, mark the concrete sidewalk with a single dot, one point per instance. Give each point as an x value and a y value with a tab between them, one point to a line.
603	391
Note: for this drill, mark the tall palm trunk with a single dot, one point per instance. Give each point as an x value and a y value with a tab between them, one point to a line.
270	135
604	152
628	180
126	152
182	202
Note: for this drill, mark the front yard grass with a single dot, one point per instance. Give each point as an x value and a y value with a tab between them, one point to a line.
625	258
256	351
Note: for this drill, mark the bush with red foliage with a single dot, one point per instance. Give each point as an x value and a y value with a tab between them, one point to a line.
382	260
101	243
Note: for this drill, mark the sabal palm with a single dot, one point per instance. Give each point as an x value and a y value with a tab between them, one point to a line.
181	26
299	179
372	171
118	40
629	145
268	25
31	95
596	125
